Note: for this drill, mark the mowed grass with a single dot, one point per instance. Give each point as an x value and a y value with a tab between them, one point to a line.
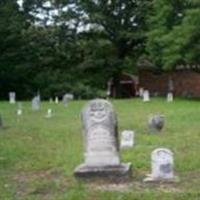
38	155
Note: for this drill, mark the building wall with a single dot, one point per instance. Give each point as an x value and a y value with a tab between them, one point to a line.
186	83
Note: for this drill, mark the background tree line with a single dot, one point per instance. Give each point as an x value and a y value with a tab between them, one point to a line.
76	46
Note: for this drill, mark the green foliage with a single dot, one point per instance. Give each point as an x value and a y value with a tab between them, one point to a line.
174	28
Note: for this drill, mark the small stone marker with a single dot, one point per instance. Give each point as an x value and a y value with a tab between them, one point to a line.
36	103
49	113
50	100
156	122
141	92
67	98
56	100
162	166
127	139
146	97
12	97
101	143
170	97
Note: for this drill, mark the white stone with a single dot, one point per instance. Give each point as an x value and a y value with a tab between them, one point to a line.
56	100
12	97
36	103
49	113
101	142
170	97
162	165
141	92
146	96
67	98
127	139
19	112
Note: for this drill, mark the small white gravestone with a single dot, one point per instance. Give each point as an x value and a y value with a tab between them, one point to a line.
12	97
36	103
56	100
127	139
162	165
146	96
170	97
141	92
49	113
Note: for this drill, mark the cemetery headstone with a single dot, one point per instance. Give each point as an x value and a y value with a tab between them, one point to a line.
56	100
67	98
102	158
36	103
170	97
127	139
141	92
12	97
162	165
146	96
50	100
156	122
49	113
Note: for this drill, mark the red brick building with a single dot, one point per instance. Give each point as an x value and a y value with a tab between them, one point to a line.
184	81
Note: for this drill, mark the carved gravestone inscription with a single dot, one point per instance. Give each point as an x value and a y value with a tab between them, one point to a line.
101	142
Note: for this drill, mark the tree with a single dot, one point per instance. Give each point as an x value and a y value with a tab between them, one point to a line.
122	25
174	29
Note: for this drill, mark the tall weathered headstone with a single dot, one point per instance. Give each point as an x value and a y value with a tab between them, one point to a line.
56	100
156	122
101	143
19	109
12	97
141	91
36	103
162	165
127	139
49	113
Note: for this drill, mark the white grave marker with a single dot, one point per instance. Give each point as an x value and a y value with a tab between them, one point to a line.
162	165
146	97
36	103
127	139
49	113
56	100
141	92
12	97
170	97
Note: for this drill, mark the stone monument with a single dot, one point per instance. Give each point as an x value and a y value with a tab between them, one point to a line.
101	143
12	97
56	100
49	113
156	122
127	139
36	103
146	96
67	98
170	97
162	165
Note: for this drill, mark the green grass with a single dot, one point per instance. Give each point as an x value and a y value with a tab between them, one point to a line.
38	155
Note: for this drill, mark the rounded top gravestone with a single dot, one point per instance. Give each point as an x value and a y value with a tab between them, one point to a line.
100	129
101	143
156	122
162	164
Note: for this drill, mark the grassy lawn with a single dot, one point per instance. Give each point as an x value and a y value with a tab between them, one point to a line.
38	155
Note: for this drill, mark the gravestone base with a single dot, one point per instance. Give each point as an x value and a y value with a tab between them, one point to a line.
152	179
117	172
